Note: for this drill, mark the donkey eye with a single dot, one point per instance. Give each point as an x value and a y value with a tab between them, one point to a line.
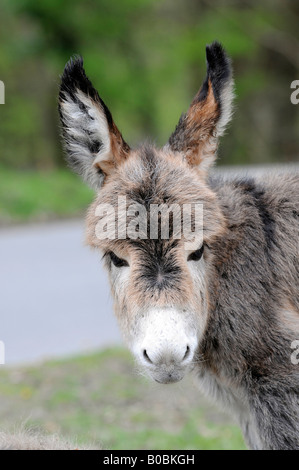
196	255
118	262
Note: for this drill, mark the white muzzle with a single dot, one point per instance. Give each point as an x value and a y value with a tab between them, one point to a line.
166	344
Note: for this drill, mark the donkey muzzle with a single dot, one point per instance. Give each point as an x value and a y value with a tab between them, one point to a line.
166	350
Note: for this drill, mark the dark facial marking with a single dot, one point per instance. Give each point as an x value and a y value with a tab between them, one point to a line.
118	262
159	269
196	255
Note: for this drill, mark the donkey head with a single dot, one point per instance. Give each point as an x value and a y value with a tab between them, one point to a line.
159	283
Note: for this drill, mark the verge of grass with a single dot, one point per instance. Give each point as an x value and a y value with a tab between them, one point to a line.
39	196
100	399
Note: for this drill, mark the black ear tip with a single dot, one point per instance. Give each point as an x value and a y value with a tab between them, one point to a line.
216	55
75	62
215	47
74	78
73	67
219	68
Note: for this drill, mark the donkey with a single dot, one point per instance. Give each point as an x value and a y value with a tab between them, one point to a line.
228	309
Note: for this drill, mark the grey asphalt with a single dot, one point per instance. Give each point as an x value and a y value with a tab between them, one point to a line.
54	294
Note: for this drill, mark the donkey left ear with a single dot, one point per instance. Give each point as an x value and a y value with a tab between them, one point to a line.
94	145
198	130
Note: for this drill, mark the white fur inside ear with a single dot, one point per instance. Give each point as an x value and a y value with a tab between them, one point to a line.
87	136
98	126
226	103
85	125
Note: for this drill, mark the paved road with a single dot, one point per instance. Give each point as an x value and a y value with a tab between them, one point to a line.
54	293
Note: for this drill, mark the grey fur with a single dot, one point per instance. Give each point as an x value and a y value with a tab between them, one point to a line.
254	274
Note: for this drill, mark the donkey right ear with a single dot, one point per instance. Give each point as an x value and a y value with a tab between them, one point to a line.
197	133
94	145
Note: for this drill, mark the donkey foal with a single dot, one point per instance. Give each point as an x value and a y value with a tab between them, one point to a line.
229	308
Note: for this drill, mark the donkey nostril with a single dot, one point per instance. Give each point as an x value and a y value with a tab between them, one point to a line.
146	357
187	353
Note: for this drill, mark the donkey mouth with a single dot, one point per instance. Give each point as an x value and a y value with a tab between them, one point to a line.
167	376
169	380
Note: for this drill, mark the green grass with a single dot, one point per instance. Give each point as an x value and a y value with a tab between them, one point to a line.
37	196
99	398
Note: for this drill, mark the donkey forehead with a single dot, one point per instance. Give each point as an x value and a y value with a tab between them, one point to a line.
150	176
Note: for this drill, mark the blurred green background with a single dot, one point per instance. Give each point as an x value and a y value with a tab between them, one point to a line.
147	59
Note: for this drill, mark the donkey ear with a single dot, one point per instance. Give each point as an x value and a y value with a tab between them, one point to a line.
93	143
196	135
